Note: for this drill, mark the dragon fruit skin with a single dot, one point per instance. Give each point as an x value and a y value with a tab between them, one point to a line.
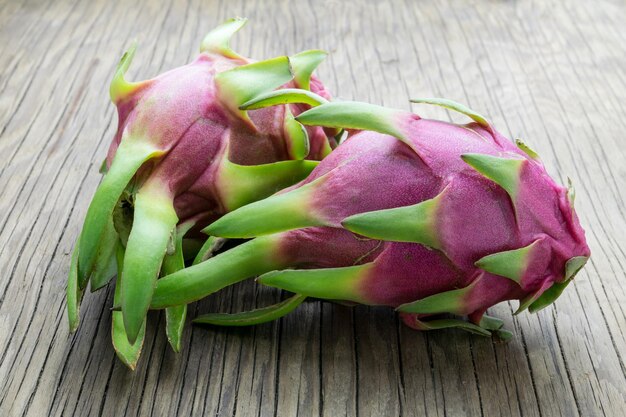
448	219
194	122
183	155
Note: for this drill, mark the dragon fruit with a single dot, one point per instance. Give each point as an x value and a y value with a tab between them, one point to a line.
183	155
428	217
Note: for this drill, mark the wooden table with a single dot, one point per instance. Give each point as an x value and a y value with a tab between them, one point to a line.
553	73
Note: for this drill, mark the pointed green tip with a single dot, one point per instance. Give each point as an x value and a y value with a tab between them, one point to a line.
548	297
440	324
328	283
355	115
208	249
128	353
153	224
416	223
488	326
453	105
120	88
296	137
527	150
103	167
241	84
175	316
174	325
303	64
104	268
130	155
503	171
283	96
531	298
511	264
253	317
571	192
453	301
280	212
218	40
573	265
239	185
251	258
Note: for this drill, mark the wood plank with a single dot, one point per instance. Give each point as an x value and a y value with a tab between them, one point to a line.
548	71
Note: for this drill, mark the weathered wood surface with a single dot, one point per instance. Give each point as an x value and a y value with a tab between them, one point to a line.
553	73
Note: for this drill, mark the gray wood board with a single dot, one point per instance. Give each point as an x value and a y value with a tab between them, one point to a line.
549	72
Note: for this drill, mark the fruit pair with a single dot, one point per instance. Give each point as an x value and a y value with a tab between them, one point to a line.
424	216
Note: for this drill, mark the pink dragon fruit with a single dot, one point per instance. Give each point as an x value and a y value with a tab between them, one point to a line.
183	155
421	215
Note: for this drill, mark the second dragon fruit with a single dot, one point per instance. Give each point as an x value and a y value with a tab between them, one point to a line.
421	215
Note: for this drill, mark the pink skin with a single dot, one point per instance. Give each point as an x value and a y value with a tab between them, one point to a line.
476	217
182	113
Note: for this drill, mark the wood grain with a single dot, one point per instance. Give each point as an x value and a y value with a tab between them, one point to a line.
551	72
